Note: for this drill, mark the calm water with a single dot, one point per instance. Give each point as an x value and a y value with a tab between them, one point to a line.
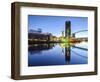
57	54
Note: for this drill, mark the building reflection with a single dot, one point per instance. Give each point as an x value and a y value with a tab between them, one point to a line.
67	54
37	48
66	50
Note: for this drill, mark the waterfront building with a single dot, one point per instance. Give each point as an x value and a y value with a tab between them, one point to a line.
38	35
68	29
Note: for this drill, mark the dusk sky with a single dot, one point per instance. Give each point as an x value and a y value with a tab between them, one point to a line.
56	24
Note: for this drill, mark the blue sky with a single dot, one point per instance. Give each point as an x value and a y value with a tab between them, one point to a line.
56	24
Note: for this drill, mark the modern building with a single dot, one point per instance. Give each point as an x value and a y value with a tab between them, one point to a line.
39	36
63	34
68	29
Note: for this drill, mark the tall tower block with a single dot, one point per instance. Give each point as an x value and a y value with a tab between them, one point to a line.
68	29
62	33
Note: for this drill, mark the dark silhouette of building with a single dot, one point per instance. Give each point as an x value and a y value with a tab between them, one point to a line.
67	54
68	29
73	35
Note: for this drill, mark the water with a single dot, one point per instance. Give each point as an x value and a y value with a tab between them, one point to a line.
57	54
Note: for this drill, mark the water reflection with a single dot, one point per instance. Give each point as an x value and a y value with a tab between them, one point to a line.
55	54
67	54
36	48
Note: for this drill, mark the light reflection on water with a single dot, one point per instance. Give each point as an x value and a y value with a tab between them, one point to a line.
57	54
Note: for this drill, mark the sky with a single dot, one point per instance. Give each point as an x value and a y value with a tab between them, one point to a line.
56	24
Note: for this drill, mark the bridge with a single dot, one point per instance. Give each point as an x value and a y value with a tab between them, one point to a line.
73	34
81	38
